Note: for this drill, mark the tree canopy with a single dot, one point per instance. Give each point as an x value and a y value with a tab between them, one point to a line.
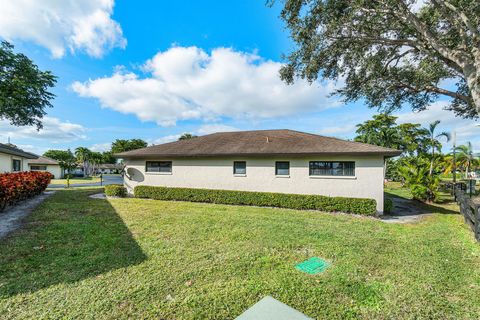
24	89
187	136
121	145
387	52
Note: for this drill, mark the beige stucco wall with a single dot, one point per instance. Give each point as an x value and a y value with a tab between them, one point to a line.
6	162
53	169
218	174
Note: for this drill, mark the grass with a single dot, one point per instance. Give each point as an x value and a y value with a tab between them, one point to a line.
79	257
76	180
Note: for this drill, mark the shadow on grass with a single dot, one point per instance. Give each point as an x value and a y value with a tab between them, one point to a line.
414	207
68	238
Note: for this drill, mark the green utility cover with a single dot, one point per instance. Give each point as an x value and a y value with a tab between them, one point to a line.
313	265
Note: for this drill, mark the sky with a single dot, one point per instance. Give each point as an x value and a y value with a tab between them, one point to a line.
156	69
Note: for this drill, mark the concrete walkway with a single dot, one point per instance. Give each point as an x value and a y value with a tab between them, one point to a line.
10	219
405	211
117	179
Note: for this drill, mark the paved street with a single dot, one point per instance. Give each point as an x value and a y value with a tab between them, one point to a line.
107	179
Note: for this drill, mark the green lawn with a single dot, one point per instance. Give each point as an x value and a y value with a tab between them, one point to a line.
76	180
130	258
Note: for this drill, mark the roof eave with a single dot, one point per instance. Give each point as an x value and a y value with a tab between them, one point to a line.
392	153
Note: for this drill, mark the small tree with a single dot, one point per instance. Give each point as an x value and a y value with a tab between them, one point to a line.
67	162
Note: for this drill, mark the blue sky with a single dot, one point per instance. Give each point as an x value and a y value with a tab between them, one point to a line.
156	69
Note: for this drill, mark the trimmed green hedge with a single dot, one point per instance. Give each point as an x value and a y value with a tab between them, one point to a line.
262	199
115	190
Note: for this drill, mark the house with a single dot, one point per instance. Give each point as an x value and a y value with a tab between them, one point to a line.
284	161
46	164
108	168
13	159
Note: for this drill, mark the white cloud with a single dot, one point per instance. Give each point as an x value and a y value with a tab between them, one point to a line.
212	128
188	83
60	25
466	129
165	139
54	131
101	147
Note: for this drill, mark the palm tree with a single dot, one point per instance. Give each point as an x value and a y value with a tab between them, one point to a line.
434	141
83	155
95	159
466	158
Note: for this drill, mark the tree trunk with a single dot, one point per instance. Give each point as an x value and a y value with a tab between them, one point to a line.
431	162
472	77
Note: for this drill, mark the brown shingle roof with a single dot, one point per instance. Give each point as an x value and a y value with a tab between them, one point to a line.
12	150
43	160
258	143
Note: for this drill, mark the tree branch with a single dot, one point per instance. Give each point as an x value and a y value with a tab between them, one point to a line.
463	17
437	90
456	56
454	22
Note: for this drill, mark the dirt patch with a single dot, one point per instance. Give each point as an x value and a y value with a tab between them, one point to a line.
11	218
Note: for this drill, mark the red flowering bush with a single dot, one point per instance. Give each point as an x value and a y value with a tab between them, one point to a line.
19	186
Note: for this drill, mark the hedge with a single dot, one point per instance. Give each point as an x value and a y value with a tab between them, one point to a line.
18	186
115	190
262	199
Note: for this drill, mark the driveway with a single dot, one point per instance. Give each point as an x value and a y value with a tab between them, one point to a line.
107	179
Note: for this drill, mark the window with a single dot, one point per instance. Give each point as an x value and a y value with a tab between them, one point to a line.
38	168
16	165
240	167
159	166
332	168
282	168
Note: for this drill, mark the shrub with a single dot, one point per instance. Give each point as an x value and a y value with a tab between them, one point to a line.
18	186
116	190
262	199
388	206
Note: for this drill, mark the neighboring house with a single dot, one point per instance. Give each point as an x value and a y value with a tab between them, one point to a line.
108	168
13	159
46	164
282	161
104	168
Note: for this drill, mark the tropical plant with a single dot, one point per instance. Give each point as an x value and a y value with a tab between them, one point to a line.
107	157
415	174
388	51
467	158
435	142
